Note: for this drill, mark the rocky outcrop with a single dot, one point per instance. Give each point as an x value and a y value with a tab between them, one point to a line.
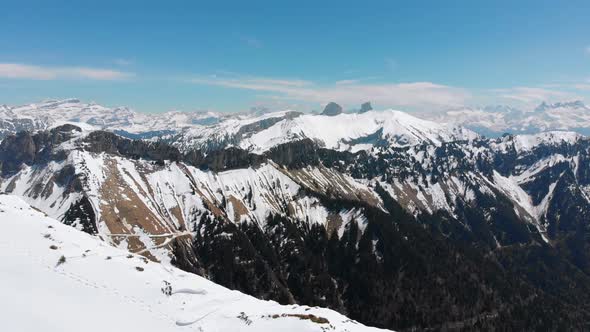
365	107
249	129
332	109
295	154
223	160
102	141
28	148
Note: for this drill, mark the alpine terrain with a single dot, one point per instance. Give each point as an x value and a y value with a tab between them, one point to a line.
394	221
51	269
499	119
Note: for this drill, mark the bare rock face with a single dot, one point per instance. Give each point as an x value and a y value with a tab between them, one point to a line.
103	141
365	107
28	148
332	109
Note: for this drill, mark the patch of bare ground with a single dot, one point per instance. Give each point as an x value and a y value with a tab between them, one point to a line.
327	181
333	223
120	200
239	208
408	196
313	318
200	191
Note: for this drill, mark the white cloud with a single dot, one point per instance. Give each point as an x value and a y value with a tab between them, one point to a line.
253	83
349	92
411	96
531	95
344	82
22	71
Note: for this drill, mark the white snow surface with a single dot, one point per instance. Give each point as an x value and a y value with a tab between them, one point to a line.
102	288
253	131
523	143
346	131
523	202
51	113
564	116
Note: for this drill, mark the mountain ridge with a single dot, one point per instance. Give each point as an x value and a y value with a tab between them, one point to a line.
273	211
129	291
496	120
395	221
490	120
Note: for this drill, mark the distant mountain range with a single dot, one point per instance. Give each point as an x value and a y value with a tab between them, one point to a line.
51	113
494	121
491	121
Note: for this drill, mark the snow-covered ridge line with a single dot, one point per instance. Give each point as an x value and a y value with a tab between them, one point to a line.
49	270
144	202
254	131
348	131
526	142
55	112
495	120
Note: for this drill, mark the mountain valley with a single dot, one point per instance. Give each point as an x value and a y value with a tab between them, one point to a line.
392	220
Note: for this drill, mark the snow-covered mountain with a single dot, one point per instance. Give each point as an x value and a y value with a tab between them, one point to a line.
391	220
331	129
343	132
302	221
260	129
353	132
496	120
254	131
160	202
56	278
52	113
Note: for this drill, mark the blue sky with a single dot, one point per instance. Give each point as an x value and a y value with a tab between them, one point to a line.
230	56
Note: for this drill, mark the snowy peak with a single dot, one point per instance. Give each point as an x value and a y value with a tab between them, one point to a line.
523	143
497	120
357	131
576	105
365	107
332	109
256	131
259	211
55	112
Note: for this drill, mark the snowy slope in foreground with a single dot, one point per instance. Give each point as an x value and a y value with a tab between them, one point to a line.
106	289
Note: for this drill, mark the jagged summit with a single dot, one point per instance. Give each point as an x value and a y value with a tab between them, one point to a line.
494	121
576	104
332	109
356	131
355	212
51	113
256	131
365	107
